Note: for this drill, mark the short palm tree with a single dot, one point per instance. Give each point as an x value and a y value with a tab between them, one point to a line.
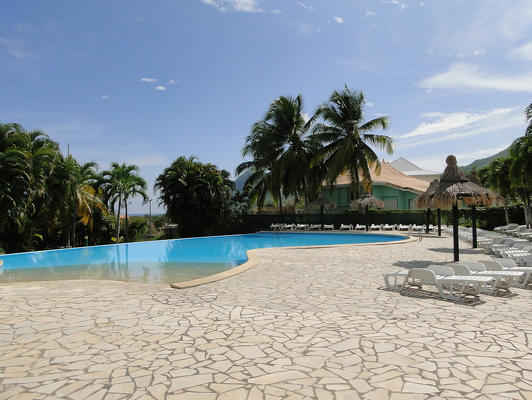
120	183
83	198
347	138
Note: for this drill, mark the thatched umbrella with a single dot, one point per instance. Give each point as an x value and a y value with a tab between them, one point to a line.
366	201
454	188
321	201
424	201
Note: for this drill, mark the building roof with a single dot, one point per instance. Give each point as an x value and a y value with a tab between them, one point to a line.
408	168
391	177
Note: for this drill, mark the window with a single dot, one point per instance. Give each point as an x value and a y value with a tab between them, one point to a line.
390	203
412	204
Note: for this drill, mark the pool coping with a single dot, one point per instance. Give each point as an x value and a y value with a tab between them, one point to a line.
253	258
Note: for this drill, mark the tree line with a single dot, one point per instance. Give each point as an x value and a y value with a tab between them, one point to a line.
511	176
46	198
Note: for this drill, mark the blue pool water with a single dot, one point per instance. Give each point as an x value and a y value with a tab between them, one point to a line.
162	261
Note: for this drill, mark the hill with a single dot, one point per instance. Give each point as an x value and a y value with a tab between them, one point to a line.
483	161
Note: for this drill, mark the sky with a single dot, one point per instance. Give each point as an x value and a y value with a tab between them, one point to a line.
145	82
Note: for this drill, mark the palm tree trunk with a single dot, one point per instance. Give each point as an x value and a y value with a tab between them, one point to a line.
506	214
118	218
74	230
281	205
127	222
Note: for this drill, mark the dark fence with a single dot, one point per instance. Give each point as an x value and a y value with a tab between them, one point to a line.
487	218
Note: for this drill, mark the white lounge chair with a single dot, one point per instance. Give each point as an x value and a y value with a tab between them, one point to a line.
315	227
503	280
450	286
328	227
276	227
346	227
387	227
289	226
374	227
504	265
302	227
402	227
359	227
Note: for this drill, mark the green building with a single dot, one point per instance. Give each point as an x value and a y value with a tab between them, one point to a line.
394	188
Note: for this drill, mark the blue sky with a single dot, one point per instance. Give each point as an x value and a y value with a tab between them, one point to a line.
147	81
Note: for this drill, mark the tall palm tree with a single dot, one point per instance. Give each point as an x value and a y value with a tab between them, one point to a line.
118	183
496	175
528	116
281	152
347	138
521	171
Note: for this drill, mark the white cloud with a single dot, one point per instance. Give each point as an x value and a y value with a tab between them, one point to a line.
105	97
14	47
173	82
467	76
276	11
395	2
496	120
339	20
444	122
370	13
422	3
149	80
370	104
524	52
235	5
160	88
305	6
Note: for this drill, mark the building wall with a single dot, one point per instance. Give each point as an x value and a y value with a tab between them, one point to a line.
341	195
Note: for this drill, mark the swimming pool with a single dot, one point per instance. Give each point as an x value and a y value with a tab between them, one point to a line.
163	261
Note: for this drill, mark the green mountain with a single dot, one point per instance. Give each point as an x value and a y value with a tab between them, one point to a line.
484	161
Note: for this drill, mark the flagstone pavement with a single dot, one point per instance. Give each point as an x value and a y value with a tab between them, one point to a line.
302	324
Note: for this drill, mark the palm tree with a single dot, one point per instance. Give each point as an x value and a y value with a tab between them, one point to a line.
119	183
347	138
83	197
135	186
528	116
281	152
496	175
521	171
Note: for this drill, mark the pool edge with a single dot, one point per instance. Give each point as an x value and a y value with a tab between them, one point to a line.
253	260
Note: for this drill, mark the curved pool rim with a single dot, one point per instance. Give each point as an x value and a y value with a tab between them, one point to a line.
251	254
254	259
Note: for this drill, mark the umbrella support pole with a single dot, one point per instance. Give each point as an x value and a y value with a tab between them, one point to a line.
428	221
474	225
439	222
455	233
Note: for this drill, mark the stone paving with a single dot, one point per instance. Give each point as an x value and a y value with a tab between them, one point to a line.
303	324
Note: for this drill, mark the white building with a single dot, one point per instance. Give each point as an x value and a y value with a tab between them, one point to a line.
410	169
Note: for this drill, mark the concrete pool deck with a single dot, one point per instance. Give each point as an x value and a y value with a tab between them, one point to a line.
301	324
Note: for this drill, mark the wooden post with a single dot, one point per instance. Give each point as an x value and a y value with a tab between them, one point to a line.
474	225
455	233
428	220
439	222
367	219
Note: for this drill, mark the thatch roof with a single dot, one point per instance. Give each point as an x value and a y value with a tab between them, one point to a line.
424	200
321	200
367	200
389	176
454	188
